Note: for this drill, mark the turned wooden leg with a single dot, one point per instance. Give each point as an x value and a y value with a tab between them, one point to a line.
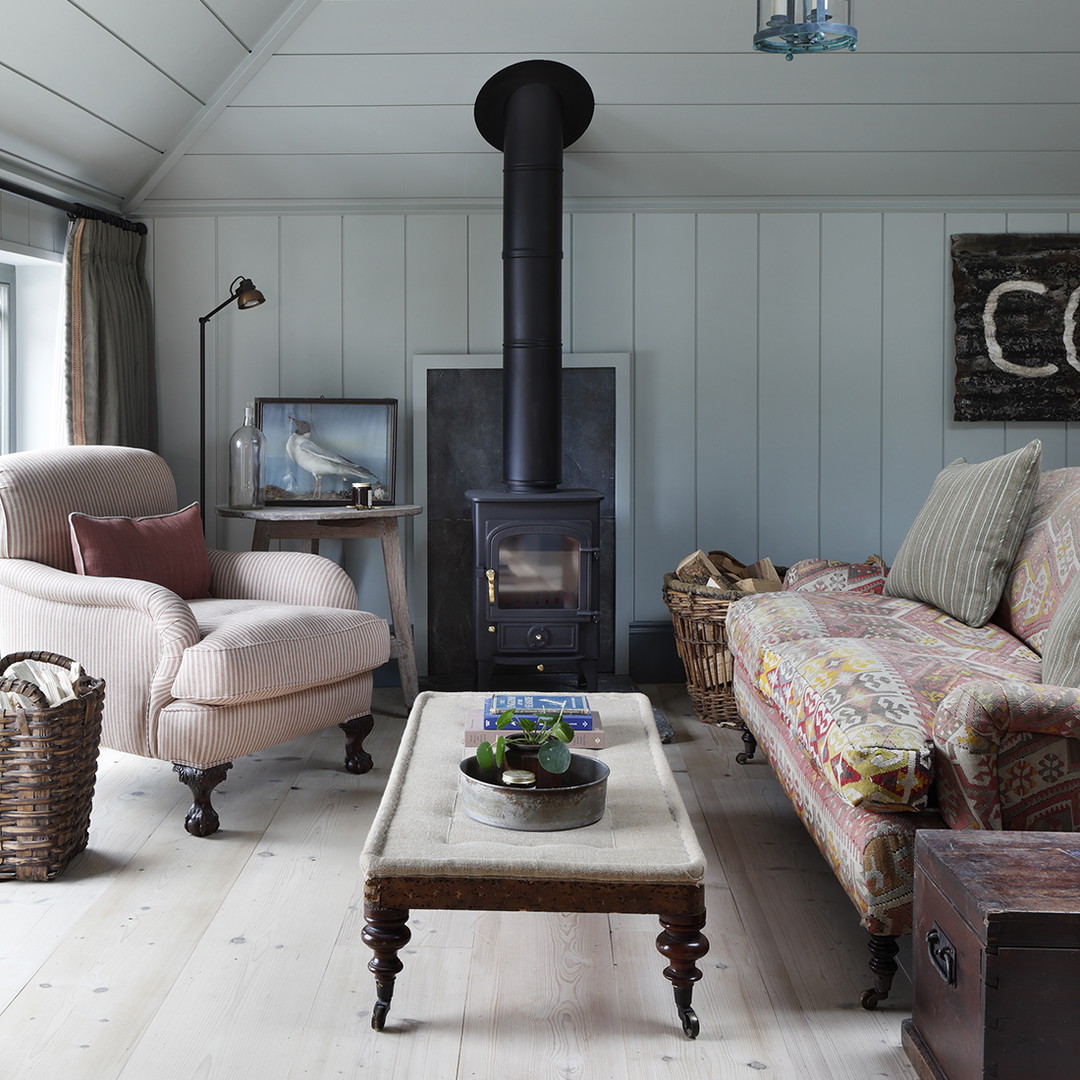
883	952
751	747
357	759
385	933
202	819
682	943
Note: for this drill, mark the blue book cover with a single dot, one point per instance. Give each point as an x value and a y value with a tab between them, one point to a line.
575	708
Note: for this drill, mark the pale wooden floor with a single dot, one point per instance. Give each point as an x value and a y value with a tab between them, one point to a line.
156	956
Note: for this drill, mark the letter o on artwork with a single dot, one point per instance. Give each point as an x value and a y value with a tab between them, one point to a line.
990	330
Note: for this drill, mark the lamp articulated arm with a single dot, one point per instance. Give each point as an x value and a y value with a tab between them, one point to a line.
243	291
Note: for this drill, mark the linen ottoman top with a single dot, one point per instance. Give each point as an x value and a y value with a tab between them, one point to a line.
645	835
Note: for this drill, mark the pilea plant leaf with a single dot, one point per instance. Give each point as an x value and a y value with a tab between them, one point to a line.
555	756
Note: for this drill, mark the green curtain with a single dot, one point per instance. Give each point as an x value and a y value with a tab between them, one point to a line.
110	392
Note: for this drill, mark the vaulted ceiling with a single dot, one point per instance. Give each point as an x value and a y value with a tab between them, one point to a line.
174	104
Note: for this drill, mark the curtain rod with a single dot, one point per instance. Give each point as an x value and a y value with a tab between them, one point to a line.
73	210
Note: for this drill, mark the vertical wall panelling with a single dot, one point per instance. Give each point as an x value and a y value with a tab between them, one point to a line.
436	321
789	385
311	326
726	390
246	345
973	440
1055	434
373	291
485	283
850	498
185	288
912	383
601	272
791	372
665	443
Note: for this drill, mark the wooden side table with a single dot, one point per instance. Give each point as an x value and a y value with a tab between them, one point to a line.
310	524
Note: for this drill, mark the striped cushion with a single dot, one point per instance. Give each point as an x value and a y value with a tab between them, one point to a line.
254	650
958	553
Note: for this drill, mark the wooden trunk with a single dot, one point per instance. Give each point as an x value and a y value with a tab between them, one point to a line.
996	956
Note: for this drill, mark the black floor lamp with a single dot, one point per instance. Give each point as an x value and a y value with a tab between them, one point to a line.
246	296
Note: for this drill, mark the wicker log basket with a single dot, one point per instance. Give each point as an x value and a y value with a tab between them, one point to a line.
48	764
699	615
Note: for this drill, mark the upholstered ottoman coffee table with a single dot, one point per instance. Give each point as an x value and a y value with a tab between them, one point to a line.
641	857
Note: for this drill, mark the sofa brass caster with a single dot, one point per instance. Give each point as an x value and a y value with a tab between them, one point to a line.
871	997
743	756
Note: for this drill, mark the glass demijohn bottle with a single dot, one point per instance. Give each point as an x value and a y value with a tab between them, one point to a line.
245	464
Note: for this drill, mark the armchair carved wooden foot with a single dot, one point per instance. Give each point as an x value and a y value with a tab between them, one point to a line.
202	818
357	759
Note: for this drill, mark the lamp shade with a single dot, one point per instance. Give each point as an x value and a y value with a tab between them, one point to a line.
801	26
246	294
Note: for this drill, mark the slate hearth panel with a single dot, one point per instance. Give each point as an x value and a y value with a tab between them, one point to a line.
464	439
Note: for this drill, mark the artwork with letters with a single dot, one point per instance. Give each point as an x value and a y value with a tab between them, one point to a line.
1015	300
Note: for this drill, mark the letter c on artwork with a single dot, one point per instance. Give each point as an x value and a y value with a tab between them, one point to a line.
990	330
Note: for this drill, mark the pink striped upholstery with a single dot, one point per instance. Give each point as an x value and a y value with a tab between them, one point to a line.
253	650
39	488
278	651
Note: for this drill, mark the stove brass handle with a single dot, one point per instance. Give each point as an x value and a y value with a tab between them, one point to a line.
490	574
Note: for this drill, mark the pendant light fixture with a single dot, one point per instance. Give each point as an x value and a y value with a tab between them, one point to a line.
803	26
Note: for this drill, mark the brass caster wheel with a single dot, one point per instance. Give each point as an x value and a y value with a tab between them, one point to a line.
690	1024
378	1015
870	998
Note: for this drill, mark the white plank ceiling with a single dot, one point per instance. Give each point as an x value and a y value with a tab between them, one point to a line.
182	104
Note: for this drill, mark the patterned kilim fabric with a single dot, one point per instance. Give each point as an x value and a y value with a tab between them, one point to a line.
863	708
830	575
1047	559
772	618
1003	758
872	855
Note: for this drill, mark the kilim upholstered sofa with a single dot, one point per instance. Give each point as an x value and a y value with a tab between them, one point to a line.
882	714
245	650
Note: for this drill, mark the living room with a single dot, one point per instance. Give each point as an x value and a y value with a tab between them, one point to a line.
764	246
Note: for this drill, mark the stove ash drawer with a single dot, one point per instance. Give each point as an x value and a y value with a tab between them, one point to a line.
539	637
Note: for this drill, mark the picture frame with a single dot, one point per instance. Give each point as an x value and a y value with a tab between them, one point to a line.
360	434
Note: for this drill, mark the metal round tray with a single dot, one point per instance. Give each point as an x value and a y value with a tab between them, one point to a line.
578	802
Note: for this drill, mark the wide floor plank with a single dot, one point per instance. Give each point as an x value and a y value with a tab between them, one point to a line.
160	955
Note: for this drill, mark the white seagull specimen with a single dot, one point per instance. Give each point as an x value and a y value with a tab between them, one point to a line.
317	460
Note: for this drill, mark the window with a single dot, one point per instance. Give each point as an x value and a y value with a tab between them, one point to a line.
7	358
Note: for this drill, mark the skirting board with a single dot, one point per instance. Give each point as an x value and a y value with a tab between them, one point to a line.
653	658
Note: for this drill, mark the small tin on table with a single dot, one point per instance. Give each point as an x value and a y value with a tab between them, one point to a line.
362	497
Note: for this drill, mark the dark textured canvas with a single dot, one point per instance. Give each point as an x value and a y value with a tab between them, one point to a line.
1015	300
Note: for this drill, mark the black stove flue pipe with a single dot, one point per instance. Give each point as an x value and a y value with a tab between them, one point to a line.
532	111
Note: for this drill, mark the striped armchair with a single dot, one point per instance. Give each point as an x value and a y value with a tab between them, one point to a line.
278	649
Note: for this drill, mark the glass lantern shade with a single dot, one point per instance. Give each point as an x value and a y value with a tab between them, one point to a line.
801	26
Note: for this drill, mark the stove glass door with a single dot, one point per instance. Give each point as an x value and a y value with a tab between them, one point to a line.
538	571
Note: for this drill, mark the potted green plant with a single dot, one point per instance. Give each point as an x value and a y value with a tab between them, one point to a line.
545	735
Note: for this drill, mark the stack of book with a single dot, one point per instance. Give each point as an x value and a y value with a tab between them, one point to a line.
578	714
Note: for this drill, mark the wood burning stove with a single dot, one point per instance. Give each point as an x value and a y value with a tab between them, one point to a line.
536	547
537	588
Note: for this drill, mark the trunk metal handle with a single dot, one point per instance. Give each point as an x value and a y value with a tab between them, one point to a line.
942	954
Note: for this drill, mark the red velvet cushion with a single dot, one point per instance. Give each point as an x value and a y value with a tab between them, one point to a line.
169	549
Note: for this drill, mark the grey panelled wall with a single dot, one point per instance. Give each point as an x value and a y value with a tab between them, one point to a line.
792	382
